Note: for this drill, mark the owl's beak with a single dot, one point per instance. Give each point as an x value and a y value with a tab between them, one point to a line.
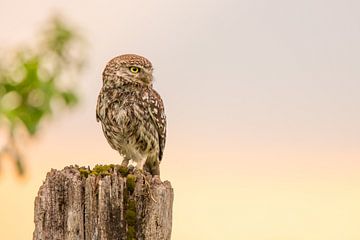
146	77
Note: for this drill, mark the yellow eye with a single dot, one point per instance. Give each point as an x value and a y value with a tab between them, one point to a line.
134	69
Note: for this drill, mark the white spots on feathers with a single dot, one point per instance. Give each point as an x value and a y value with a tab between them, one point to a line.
145	96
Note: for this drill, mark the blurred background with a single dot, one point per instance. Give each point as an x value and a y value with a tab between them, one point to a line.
262	100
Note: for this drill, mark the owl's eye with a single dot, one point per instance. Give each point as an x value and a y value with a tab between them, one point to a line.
134	69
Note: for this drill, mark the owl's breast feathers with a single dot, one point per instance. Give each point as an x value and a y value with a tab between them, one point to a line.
137	106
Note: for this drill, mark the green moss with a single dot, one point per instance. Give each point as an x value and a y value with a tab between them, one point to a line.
84	172
130	217
123	170
131	233
130	183
132	205
130	214
102	170
126	196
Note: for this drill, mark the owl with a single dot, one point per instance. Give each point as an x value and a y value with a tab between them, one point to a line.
131	112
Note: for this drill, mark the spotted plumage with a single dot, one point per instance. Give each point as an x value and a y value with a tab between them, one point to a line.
131	112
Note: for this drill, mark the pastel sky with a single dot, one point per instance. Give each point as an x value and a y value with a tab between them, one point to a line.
263	107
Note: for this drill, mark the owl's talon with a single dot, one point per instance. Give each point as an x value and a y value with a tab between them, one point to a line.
131	169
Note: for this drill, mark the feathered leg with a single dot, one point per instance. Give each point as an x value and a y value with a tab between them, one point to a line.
152	165
125	161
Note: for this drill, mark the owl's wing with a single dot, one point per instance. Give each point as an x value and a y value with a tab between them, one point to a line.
100	108
157	113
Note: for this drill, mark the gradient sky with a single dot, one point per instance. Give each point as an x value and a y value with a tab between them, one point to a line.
263	106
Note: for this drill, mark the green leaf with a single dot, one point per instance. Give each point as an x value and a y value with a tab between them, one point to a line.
32	81
69	98
30	117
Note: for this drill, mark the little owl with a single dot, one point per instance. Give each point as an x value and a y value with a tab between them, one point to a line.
132	113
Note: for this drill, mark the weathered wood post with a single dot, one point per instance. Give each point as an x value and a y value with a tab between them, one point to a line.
105	203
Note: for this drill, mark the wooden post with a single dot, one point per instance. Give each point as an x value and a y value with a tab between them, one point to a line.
106	203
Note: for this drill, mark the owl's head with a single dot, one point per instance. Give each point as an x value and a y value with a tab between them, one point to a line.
129	67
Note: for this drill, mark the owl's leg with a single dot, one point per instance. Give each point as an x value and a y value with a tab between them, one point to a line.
129	166
140	164
125	161
152	165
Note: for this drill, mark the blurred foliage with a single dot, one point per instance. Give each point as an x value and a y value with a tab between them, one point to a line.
37	82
